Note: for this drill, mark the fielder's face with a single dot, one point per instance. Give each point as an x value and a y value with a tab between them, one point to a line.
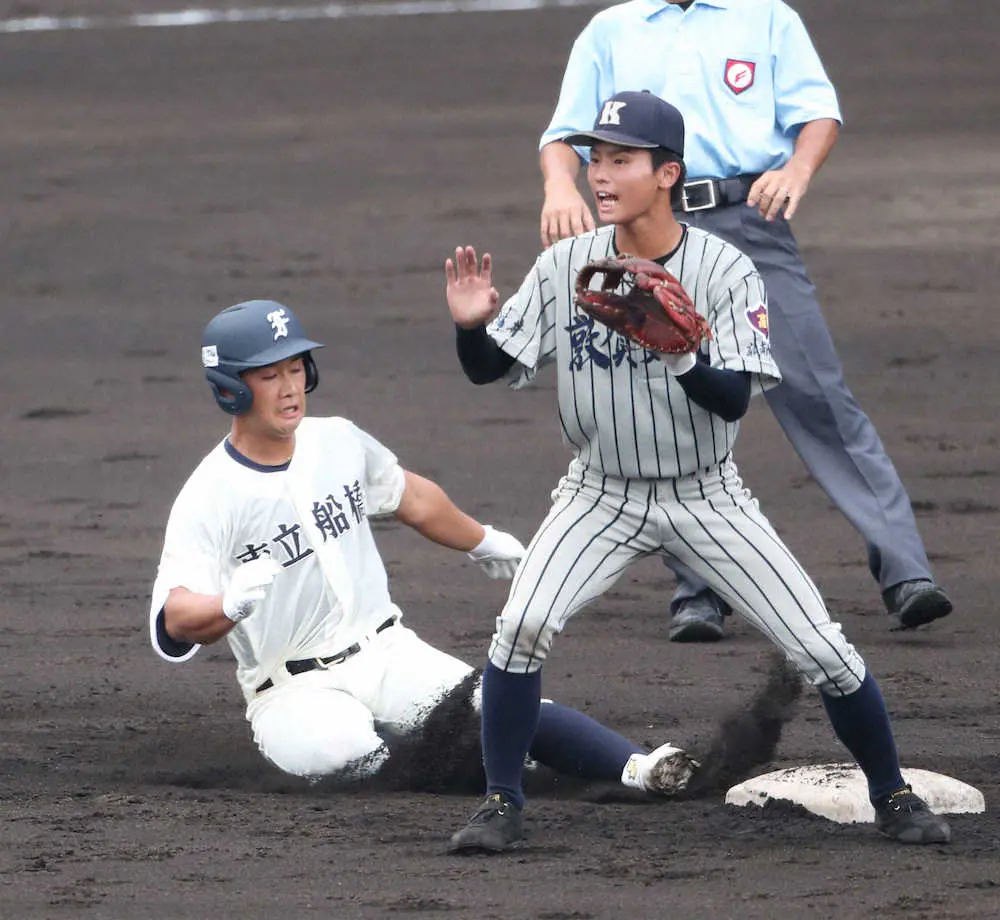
622	181
279	398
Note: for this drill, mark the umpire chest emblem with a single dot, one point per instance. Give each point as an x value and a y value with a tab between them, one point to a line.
739	75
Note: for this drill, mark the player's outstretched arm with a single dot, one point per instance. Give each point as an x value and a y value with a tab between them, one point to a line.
564	212
427	509
472	299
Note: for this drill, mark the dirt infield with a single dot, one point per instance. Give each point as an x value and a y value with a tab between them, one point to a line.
152	176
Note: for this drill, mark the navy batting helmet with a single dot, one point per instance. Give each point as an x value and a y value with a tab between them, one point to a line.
251	334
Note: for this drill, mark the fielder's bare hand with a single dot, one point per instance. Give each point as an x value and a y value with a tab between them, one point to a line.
472	299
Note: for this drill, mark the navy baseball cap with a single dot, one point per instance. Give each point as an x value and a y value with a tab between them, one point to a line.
633	119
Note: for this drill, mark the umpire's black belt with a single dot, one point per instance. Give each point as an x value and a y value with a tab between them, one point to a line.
301	665
702	194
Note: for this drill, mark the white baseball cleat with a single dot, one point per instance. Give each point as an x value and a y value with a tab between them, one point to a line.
664	771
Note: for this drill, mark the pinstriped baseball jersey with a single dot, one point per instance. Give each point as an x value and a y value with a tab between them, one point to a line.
653	472
621	412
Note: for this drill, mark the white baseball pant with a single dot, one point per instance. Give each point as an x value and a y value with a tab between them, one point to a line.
324	721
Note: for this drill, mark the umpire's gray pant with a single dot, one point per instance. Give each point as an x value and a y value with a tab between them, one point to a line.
819	415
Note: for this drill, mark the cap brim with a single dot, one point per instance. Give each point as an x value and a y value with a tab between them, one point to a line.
589	138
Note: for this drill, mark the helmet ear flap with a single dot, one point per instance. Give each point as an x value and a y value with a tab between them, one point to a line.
231	393
312	374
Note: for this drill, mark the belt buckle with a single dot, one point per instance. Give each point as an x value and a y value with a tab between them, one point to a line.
339	658
703	183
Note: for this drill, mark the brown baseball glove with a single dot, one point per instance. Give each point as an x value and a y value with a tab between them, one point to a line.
654	311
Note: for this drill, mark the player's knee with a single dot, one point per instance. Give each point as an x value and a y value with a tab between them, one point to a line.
520	646
313	758
312	732
824	657
837	670
837	679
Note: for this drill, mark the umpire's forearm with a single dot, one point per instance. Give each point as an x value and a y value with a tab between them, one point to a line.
559	163
814	143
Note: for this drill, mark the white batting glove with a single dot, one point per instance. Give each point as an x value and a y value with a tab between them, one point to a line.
498	554
248	586
677	364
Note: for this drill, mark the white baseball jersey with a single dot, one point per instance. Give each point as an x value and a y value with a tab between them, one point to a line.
232	510
620	411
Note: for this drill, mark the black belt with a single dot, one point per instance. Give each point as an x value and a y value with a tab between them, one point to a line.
301	665
702	194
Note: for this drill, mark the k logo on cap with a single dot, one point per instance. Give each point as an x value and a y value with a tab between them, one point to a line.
609	114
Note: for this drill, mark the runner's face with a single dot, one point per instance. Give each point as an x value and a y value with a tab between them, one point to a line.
279	397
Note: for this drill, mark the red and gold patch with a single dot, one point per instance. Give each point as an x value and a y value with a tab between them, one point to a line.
758	319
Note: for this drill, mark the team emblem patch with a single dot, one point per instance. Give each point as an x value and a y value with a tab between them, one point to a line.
739	75
758	319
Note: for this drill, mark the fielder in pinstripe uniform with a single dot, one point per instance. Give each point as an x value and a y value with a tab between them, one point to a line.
653	472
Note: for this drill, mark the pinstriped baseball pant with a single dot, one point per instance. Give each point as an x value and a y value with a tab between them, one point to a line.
599	525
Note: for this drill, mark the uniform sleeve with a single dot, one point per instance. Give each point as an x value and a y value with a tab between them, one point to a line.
581	93
739	319
802	90
525	326
385	479
189	560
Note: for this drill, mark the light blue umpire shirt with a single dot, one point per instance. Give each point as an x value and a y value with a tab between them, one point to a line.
744	74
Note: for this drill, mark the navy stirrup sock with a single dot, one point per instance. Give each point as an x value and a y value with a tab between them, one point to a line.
862	724
510	715
574	744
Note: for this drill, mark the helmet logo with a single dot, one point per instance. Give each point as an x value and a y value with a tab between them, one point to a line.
209	356
279	323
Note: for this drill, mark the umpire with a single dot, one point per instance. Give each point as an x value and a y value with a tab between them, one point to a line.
762	118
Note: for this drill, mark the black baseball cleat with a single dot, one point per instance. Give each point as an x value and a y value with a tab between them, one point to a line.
698	619
905	817
494	828
916	602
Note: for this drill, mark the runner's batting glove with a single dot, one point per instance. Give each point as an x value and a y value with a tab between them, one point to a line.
247	587
498	554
